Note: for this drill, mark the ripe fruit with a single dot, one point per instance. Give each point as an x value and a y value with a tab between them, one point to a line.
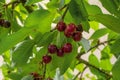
77	36
1	22
6	24
34	74
70	29
60	52
67	48
46	59
52	48
61	26
80	28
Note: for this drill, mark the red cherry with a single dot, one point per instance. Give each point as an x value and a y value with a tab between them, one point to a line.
52	49
6	24
46	59
79	28
70	29
61	26
67	48
77	36
2	22
60	52
34	74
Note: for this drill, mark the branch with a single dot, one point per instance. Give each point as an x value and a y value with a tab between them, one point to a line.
102	43
83	72
80	73
90	65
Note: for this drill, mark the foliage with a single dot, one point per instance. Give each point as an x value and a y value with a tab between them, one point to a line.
26	31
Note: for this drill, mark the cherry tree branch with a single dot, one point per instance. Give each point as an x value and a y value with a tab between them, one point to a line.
90	65
102	43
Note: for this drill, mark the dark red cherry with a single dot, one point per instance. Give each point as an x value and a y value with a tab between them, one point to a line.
77	36
70	29
67	48
52	48
79	28
61	26
60	52
34	74
6	24
46	59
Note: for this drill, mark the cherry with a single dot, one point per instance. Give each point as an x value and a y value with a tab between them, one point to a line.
67	48
61	26
2	22
80	28
52	48
34	74
70	29
6	24
46	59
60	52
77	36
67	33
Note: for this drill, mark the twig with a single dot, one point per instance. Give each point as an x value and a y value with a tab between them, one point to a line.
90	65
80	73
102	43
83	72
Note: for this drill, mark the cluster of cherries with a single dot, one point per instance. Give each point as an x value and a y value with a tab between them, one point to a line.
70	30
4	23
52	49
36	76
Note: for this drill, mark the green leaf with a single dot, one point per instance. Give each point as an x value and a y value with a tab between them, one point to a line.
109	21
41	19
29	2
94	60
11	40
22	53
14	76
85	44
105	53
29	77
99	33
79	13
115	70
106	64
115	48
92	9
110	6
47	38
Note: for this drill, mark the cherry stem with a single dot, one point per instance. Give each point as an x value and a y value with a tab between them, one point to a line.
63	16
11	3
44	71
63	7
